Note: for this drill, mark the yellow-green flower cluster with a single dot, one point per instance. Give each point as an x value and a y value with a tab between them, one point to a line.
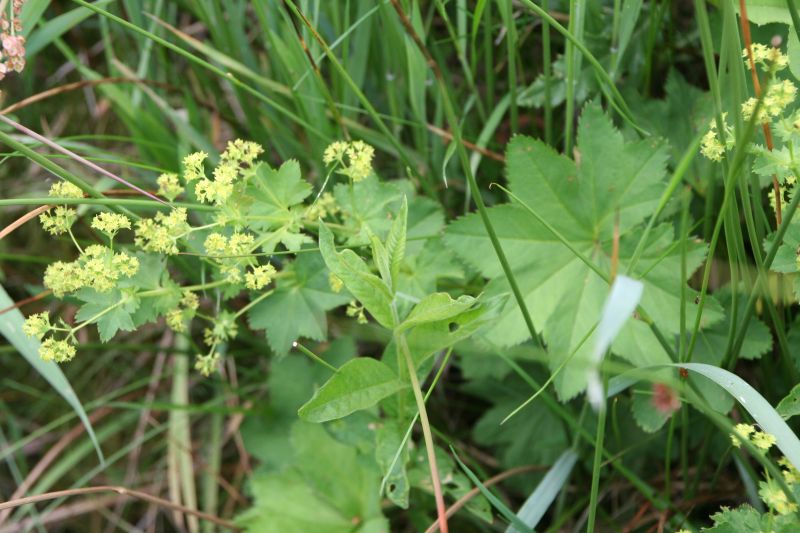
778	97
775	498
178	317
711	145
98	267
37	325
769	58
206	364
237	154
169	186
51	349
761	440
232	253
225	328
217	244
59	351
323	207
354	158
259	277
357	311
790	473
241	152
65	189
161	233
193	166
110	223
60	219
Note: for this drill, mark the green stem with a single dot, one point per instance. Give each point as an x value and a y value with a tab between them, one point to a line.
315	357
426	430
45	200
598	461
97	316
247	307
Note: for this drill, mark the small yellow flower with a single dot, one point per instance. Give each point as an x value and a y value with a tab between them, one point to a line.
55	350
216	244
193	166
37	325
241	152
65	189
762	440
790	474
745	430
169	186
206	364
774	497
110	223
259	277
357	311
161	233
334	152
58	220
711	146
62	278
175	320
354	158
190	301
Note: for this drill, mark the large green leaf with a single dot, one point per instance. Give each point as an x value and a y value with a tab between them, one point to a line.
368	288
437	307
11	328
329	488
580	200
359	384
276	197
297	307
112	311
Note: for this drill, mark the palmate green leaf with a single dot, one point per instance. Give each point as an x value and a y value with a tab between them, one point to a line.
368	288
580	200
745	519
359	384
786	259
116	319
329	488
368	205
152	275
277	196
298	305
712	343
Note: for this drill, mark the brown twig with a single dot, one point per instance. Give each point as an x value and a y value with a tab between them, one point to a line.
745	23
462	501
472	146
22	220
47	460
26	301
67	87
122	491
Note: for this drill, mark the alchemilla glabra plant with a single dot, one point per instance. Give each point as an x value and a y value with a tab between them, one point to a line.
255	209
600	341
